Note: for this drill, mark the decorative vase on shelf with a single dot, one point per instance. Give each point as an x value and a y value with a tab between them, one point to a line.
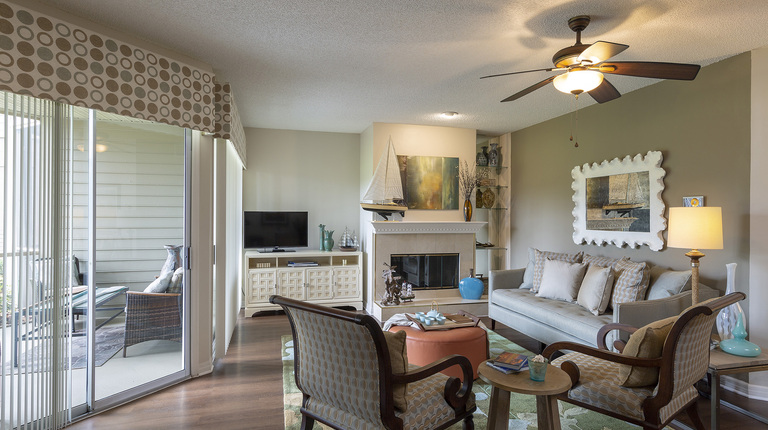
471	288
493	155
479	199
467	210
328	240
728	316
173	260
322	237
482	157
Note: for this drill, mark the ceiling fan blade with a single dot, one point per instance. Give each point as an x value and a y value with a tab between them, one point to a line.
605	92
530	89
642	69
517	73
601	51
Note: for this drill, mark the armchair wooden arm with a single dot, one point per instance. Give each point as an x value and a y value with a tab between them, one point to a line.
604	330
456	393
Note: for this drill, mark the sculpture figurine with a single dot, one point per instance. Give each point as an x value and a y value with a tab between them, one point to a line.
392	287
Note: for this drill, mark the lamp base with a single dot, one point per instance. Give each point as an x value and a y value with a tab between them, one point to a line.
741	347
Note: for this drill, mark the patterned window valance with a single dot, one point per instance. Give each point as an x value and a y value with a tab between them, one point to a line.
48	58
228	124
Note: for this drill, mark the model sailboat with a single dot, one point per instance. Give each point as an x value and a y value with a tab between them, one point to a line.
385	192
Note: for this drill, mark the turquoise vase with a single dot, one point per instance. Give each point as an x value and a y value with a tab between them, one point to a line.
471	288
739	345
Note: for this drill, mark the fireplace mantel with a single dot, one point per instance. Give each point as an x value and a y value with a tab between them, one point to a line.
426	227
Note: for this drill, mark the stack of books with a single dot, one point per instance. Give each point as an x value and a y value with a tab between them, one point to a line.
509	362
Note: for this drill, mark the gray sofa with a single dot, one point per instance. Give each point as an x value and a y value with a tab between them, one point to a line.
549	321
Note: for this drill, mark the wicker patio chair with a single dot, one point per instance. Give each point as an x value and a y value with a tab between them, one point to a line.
152	316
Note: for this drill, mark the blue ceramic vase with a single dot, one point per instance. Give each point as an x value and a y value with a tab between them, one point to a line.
471	288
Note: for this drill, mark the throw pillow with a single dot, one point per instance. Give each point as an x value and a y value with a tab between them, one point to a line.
666	283
647	342
528	275
175	285
160	284
561	280
595	292
631	282
601	261
542	256
398	357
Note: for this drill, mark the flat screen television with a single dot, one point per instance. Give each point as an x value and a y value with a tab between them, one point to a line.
275	230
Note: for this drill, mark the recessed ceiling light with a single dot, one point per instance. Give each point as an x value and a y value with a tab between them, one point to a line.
450	114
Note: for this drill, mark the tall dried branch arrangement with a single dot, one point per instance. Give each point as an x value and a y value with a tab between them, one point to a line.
467	180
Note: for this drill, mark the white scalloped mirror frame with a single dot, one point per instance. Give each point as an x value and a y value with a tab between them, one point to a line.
651	163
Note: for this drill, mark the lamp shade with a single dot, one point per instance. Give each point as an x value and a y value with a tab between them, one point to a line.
578	81
695	228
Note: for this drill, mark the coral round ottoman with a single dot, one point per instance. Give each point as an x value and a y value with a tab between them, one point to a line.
424	347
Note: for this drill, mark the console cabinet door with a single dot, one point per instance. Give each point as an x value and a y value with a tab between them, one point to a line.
262	285
319	284
346	282
290	283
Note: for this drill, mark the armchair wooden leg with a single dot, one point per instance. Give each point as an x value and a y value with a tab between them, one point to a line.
693	414
469	423
307	423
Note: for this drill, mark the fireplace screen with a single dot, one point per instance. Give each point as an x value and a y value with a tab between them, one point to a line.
428	271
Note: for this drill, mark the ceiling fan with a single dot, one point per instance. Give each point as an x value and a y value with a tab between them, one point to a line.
584	66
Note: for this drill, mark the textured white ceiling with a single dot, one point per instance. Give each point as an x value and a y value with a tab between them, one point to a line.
340	65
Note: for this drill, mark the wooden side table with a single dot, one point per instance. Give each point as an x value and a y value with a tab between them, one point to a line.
555	382
721	363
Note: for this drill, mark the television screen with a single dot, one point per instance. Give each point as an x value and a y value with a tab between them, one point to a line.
274	230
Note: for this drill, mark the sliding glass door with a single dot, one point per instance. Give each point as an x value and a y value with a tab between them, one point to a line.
93	271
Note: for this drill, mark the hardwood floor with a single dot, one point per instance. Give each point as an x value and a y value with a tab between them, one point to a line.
245	390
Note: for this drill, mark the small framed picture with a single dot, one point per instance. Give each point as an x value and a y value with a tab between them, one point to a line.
693	201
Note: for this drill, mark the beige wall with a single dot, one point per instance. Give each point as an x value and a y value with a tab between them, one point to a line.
758	274
701	127
304	171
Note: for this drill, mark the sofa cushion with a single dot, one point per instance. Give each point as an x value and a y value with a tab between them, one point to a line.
528	274
398	357
646	342
631	282
561	280
542	256
666	283
566	317
595	292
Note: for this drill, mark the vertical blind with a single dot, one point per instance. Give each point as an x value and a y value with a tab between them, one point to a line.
36	267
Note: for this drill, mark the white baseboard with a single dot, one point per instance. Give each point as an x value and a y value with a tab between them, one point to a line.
752	391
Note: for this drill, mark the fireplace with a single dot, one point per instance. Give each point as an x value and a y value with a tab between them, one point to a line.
428	271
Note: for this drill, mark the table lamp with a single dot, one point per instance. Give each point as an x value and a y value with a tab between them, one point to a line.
695	228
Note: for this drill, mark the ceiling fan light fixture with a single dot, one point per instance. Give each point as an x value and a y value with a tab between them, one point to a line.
578	81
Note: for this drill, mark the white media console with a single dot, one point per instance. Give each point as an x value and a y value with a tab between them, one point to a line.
335	280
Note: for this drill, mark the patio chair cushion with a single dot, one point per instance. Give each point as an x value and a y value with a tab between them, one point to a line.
160	285
175	285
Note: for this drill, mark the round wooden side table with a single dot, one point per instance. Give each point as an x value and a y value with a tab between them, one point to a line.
555	382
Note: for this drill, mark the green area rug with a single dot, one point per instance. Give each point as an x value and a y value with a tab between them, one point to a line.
522	407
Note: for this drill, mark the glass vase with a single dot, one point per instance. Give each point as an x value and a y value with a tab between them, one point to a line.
728	316
467	210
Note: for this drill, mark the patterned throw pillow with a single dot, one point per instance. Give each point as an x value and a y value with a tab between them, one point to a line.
647	342
595	260
542	256
398	357
631	282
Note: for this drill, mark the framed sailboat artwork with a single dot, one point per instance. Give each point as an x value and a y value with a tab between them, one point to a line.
619	202
384	195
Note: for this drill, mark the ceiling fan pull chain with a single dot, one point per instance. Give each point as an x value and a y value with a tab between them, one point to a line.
576	132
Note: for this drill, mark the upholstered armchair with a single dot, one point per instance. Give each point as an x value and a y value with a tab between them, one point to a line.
651	381
354	376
